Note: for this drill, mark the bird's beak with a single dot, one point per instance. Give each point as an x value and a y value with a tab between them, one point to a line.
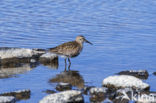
88	42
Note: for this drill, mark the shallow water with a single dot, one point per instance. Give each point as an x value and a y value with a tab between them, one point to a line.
122	31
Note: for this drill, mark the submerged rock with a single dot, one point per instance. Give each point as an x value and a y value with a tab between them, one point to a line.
142	74
63	86
154	73
98	94
70	96
124	81
19	95
7	99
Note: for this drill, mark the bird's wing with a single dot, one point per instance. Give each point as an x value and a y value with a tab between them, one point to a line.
65	48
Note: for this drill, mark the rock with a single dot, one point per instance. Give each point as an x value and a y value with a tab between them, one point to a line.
50	91
19	95
11	57
71	77
7	99
6	52
98	94
123	95
70	96
63	86
154	73
86	89
50	61
121	100
142	74
48	55
96	90
124	81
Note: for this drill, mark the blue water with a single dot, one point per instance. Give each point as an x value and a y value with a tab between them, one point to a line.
123	33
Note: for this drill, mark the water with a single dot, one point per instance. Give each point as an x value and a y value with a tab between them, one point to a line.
122	31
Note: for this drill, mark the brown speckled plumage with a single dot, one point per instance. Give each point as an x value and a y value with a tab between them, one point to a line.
70	49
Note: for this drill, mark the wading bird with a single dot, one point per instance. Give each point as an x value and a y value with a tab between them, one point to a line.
70	49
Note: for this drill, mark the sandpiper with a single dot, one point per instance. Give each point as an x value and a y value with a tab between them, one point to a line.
70	49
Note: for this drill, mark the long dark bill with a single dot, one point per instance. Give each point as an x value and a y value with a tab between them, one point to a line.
88	42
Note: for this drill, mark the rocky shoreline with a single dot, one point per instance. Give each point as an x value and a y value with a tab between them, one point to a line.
121	87
114	89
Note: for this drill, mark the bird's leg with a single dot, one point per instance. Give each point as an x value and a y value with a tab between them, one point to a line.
65	63
69	64
69	61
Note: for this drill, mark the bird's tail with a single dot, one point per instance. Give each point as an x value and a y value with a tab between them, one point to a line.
44	50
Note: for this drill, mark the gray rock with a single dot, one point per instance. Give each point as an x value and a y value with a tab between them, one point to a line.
13	57
63	86
123	95
141	74
48	91
19	95
7	99
6	52
86	89
125	81
48	55
98	94
96	90
69	96
50	62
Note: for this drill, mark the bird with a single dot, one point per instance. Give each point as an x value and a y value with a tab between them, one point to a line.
70	49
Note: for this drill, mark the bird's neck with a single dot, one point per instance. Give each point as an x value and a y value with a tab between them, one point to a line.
80	43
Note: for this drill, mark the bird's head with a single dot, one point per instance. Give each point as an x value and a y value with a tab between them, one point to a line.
81	39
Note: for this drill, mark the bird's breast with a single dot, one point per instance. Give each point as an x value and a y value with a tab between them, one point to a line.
75	52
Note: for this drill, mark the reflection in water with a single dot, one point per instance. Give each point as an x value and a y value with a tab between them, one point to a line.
19	95
72	77
13	62
17	65
13	69
51	63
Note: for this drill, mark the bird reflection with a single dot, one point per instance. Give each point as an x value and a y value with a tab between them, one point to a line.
72	77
